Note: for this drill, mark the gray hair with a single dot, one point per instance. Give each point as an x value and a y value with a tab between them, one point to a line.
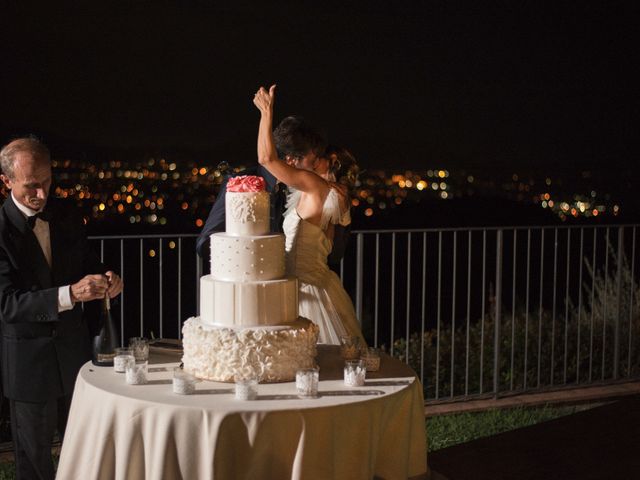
30	144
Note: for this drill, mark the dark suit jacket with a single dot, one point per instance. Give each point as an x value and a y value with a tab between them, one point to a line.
215	220
41	349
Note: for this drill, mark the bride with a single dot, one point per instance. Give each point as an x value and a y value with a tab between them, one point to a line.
314	207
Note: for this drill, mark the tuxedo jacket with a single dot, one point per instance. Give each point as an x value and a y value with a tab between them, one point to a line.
216	219
42	350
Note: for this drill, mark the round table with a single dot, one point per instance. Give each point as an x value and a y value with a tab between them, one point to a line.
122	431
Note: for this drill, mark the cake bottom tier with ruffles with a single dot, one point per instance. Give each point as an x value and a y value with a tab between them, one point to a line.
271	354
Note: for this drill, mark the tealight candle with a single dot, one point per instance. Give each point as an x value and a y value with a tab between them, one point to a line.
355	372
371	359
350	347
307	382
136	373
122	359
183	382
246	388
140	346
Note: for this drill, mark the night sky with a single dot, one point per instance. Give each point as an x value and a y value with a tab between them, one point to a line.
513	86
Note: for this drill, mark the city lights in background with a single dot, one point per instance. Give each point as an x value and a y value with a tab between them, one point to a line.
149	193
157	191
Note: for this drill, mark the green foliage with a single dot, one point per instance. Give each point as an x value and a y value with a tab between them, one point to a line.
7	471
447	430
536	348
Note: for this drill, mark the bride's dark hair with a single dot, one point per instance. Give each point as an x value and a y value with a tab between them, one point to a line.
343	165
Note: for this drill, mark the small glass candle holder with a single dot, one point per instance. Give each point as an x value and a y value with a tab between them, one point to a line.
307	382
350	347
121	360
371	358
183	382
355	372
136	373
246	388
140	347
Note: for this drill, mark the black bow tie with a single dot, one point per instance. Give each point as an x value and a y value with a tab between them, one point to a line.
44	215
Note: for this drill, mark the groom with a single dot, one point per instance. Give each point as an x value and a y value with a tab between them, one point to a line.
300	145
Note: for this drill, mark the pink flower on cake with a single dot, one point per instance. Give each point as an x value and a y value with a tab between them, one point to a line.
245	183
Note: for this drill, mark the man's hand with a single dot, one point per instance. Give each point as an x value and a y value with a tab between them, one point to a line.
91	287
115	284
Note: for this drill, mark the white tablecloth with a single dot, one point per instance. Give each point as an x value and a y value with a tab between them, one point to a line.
129	432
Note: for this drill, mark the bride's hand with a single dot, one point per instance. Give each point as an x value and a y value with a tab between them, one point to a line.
264	100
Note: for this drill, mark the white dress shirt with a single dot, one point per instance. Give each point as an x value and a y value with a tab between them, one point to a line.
43	235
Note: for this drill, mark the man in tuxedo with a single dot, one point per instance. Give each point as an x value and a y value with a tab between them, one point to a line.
46	271
300	145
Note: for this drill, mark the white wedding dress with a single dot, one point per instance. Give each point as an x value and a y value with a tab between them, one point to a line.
322	299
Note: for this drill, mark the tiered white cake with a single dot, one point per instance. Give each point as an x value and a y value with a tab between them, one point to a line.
248	324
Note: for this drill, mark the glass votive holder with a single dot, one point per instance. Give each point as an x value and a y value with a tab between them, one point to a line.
136	373
371	358
355	371
350	347
140	347
183	382
307	382
246	388
121	360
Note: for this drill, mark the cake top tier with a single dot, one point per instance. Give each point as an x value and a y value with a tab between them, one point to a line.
246	183
247	206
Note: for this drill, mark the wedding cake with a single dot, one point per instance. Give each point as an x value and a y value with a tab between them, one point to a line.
248	324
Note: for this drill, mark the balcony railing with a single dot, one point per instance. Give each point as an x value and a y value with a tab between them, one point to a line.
476	312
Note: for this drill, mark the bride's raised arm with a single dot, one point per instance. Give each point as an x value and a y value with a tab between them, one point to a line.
302	180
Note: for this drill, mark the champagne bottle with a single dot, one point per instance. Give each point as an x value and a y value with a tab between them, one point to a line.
105	343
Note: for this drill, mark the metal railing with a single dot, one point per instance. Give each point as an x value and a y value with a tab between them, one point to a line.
161	273
476	312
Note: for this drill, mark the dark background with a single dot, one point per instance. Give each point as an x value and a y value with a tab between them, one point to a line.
527	87
511	86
